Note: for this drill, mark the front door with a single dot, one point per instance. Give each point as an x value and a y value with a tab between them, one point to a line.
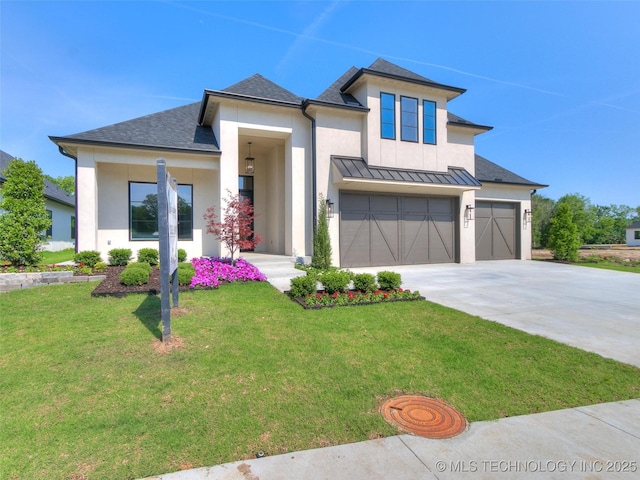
245	190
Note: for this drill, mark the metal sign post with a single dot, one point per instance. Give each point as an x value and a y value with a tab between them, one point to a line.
168	244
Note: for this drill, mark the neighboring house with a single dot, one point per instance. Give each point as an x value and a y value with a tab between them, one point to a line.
633	235
61	208
398	168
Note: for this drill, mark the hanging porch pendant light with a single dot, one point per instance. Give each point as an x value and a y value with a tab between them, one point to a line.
249	163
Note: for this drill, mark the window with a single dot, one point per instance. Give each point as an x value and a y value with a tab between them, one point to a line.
388	116
143	211
429	122
636	235
50	227
409	119
73	227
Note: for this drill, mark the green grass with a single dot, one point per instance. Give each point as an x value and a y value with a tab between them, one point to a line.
605	265
85	395
49	258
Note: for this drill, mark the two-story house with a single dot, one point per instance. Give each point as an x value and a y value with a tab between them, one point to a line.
398	169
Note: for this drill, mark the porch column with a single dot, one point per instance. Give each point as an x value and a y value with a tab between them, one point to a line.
87	202
228	179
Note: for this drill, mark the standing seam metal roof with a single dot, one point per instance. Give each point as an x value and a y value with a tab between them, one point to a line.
357	168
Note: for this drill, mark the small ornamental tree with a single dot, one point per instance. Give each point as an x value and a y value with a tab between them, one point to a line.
564	239
234	229
24	219
321	258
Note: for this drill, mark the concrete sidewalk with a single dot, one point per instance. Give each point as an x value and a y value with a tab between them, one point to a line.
599	441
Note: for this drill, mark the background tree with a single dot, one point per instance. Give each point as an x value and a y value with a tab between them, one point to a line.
582	215
321	242
68	183
564	239
235	228
24	219
542	210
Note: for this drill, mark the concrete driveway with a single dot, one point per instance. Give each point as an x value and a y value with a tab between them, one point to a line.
588	308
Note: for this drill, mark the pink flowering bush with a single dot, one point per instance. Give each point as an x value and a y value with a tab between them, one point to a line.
211	272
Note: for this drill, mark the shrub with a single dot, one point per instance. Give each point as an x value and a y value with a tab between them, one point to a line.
149	255
564	239
389	280
321	258
23	216
88	257
186	271
302	286
119	256
140	265
335	281
100	267
182	255
364	282
134	276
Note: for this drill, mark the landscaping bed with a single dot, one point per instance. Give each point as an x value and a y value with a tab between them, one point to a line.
351	298
111	285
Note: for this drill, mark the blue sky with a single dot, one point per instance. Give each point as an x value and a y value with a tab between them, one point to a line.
558	81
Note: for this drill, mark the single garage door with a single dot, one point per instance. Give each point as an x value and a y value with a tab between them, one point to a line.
378	229
496	231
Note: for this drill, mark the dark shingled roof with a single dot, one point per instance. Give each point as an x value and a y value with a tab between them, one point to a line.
634	225
175	129
51	191
350	167
489	172
333	93
455	119
383	68
260	87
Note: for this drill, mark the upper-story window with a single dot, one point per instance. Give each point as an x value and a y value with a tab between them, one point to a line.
388	116
409	119
429	122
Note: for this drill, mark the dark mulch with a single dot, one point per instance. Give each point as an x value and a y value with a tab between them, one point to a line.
111	285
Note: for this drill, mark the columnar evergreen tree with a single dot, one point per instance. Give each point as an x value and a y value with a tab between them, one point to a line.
24	220
321	258
564	239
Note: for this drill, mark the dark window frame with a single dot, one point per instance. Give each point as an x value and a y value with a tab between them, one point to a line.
384	123
72	222
425	130
405	115
636	235
189	221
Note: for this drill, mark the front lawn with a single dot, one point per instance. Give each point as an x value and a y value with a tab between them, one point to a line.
85	394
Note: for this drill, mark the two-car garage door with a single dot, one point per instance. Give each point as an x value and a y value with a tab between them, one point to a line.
378	229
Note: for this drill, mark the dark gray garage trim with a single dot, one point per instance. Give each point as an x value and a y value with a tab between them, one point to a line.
496	231
381	229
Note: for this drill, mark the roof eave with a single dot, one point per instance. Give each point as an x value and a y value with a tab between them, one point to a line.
471	126
320	103
74	141
517	184
454	91
247	98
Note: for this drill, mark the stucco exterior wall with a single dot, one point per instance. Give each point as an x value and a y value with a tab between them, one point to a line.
109	173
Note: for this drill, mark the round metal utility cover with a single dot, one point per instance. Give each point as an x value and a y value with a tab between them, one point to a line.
423	416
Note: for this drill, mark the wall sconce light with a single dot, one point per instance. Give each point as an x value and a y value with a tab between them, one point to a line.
468	212
527	215
249	163
329	208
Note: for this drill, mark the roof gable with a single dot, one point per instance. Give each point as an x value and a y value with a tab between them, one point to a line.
386	69
260	87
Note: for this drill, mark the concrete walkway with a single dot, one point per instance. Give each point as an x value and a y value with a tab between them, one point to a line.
592	309
599	441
